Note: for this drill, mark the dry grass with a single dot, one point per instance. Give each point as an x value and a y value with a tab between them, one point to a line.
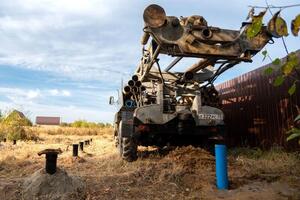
33	133
180	173
70	131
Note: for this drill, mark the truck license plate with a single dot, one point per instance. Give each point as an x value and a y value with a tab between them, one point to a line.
210	116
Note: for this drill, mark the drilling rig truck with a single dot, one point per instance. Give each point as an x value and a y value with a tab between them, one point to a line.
159	106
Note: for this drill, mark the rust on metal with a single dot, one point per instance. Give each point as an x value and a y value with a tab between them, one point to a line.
154	16
51	159
47	151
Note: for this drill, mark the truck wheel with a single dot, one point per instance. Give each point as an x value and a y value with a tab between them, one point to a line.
129	149
127	146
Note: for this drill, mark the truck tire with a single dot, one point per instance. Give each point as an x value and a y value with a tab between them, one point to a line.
127	147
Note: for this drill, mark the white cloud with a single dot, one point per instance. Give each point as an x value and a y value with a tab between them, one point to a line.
21	95
66	93
32	94
57	92
72	38
54	92
95	39
18	95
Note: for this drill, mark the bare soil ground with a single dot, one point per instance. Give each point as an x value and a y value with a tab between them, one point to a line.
178	173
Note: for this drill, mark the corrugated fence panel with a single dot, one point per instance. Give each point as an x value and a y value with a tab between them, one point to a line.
256	112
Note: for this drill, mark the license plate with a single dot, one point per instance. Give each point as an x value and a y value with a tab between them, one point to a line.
210	116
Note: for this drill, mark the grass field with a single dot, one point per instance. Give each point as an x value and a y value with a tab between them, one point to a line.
175	173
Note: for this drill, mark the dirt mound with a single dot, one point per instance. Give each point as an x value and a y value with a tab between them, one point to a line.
179	173
59	186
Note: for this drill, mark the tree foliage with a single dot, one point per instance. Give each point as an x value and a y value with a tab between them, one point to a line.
86	124
13	125
16	117
278	28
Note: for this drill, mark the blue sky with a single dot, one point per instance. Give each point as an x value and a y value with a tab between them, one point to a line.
66	57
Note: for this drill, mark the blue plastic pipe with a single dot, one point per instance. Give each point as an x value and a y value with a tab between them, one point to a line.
221	166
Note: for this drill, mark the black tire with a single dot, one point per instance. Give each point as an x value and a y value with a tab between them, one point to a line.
127	146
129	149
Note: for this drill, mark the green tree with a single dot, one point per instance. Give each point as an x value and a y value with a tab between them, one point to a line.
12	126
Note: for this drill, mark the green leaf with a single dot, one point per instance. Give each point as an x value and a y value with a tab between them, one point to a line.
291	63
293	59
295	26
278	81
255	26
277	61
268	71
297	118
293	136
292	89
264	53
287	68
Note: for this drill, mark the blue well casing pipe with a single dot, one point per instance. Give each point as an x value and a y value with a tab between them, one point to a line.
221	166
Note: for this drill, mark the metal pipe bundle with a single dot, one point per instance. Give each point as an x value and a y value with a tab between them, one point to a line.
133	92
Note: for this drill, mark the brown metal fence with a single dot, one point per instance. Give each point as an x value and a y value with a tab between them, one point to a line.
256	112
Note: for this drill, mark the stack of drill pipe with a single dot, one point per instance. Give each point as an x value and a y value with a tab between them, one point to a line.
132	91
